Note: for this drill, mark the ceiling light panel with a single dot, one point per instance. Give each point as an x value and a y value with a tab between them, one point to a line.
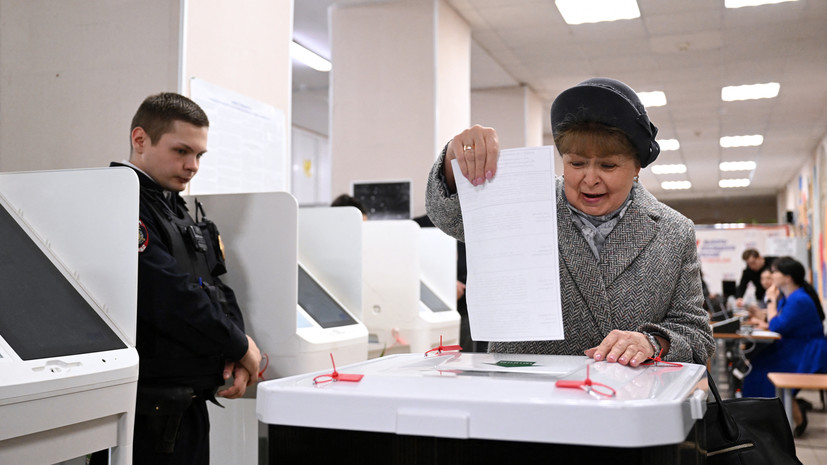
737	166
730	225
669	169
750	92
596	11
742	141
727	183
652	99
667	145
309	58
743	3
676	185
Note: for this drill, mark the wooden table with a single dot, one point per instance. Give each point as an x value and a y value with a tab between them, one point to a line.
755	337
786	382
762	337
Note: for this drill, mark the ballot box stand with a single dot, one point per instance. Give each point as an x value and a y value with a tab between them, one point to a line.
459	409
290	444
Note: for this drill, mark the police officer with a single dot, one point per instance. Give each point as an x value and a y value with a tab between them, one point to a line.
190	335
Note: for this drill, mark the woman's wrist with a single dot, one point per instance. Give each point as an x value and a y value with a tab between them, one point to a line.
656	347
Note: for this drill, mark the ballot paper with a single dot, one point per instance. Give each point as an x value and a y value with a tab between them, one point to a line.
513	283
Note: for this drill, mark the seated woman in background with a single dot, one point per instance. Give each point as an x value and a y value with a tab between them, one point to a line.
758	312
797	315
630	279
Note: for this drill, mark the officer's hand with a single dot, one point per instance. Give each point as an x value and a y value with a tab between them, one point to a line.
241	379
251	361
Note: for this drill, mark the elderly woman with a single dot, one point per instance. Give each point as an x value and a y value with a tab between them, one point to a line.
629	271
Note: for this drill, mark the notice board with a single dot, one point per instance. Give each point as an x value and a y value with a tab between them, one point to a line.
246	146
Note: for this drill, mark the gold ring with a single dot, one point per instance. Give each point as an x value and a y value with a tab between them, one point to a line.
467	147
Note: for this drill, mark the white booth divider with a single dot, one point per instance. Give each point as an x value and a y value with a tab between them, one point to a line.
259	236
438	288
259	233
391	309
71	401
438	263
390	290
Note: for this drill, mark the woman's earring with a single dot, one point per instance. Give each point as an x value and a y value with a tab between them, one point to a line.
636	178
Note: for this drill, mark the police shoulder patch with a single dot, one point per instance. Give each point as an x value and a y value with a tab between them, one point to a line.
143	236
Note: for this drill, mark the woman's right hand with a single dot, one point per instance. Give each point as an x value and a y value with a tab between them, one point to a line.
772	293
476	150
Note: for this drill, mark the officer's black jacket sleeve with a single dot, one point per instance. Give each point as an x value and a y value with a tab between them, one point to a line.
180	309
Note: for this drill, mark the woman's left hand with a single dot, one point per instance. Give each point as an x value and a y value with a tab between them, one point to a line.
624	347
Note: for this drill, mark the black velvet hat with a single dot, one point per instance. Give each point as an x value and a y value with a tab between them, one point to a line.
610	102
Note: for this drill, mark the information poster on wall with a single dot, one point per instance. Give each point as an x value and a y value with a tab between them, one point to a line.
246	147
720	250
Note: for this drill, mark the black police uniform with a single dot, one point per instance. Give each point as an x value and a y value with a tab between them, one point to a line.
189	324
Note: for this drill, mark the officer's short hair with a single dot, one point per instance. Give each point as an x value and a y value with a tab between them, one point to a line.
158	112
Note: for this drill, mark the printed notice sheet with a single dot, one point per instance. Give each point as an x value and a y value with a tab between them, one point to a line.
513	285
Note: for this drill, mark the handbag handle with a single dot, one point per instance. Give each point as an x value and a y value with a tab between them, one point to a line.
728	425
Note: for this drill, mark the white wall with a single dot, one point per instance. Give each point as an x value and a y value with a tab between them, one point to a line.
73	73
243	46
310	170
311	110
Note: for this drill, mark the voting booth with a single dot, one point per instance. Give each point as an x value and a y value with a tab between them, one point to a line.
485	408
330	285
261	241
68	280
391	307
260	236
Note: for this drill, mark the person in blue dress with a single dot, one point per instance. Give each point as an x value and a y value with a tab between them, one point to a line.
794	311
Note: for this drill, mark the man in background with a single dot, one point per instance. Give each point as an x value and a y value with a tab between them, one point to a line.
752	274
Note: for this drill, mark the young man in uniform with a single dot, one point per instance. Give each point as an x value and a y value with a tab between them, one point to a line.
190	334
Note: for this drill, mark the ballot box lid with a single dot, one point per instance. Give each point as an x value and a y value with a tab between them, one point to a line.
494	396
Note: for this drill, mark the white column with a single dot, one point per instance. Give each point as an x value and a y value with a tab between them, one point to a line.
515	112
399	90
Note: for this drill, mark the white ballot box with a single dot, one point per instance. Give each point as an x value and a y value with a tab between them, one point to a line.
485	408
68	281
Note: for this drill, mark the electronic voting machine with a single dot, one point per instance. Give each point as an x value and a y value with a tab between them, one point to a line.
68	283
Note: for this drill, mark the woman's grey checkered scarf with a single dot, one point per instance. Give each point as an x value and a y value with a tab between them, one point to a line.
595	229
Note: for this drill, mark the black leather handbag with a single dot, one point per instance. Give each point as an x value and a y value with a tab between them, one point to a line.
748	430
